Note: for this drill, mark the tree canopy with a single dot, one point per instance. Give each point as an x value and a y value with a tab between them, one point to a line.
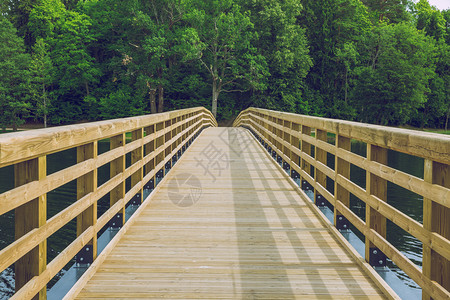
384	62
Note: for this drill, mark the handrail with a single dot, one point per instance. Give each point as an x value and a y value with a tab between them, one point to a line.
288	137
156	139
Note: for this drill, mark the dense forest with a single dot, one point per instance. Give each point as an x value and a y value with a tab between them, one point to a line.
378	61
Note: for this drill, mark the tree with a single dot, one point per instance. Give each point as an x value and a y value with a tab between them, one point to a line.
283	44
430	19
390	11
159	42
336	33
41	68
393	81
225	49
14	105
18	12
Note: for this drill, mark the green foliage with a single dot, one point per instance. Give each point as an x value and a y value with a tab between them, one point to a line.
283	44
393	81
389	11
384	62
430	20
41	68
225	47
120	104
14	105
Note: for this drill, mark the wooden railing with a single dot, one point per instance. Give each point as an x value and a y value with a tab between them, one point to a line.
289	136
155	140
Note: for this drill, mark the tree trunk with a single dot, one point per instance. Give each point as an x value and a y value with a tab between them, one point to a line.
346	85
152	93
160	99
45	105
87	87
214	98
153	101
446	120
45	113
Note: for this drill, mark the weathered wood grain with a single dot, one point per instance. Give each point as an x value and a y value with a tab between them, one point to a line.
245	235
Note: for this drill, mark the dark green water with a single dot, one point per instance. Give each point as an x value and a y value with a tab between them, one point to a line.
405	201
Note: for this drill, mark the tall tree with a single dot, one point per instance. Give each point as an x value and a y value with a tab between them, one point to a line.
159	42
14	105
282	41
19	13
225	49
393	81
430	19
41	69
67	34
336	32
390	11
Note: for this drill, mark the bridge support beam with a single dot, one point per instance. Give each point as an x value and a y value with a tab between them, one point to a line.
436	218
28	217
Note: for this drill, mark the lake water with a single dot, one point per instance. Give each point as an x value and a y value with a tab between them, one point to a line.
405	201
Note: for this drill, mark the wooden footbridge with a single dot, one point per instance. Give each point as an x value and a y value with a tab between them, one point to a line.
228	221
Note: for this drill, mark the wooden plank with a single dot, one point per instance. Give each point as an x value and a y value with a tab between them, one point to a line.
37	283
22	146
137	156
28	217
85	185
321	156
378	187
436	218
235	241
415	273
342	168
428	145
117	167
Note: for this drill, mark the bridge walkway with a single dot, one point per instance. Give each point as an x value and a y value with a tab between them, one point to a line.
227	222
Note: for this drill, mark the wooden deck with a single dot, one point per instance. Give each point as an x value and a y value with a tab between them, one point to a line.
227	223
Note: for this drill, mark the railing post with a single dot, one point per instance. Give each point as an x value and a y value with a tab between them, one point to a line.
27	217
320	178
117	166
306	148
137	156
149	148
295	142
342	168
87	184
287	138
160	156
378	187
436	218
167	144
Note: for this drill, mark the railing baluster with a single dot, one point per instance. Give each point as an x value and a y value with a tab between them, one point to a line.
27	217
378	187
436	218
